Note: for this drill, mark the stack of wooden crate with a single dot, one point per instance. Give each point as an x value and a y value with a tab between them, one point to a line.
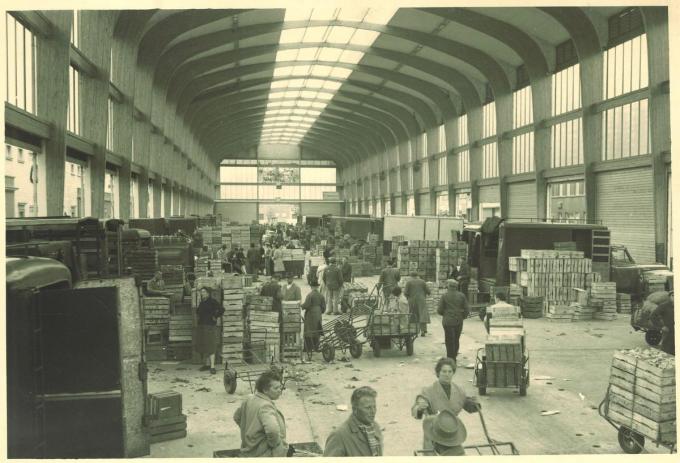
655	282
232	320
180	336
264	326
603	299
560	313
291	331
623	304
447	257
156	326
504	349
437	290
532	306
582	312
202	266
165	418
642	393
144	262
258	303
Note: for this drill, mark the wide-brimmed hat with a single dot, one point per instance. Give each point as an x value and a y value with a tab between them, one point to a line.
445	429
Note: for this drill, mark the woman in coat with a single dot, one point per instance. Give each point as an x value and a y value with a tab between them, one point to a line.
208	334
314	306
442	395
416	292
277	256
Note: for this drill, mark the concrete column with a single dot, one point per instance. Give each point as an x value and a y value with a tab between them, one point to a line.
474	135
656	25
541	98
503	124
52	63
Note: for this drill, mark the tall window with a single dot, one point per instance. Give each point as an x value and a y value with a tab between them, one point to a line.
109	126
625	127
21	182
464	166
442	174
566	201
411	206
20	53
423	144
150	201
490	160
111	194
523	115
75	29
463	130
567	136
442	201
441	139
489	119
75	188
388	207
410	177
134	196
378	208
73	120
425	173
463	205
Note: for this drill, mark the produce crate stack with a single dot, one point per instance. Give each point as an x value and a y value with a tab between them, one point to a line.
564	245
255	233
258	303
514	294
165	418
560	313
291	331
237	234
232	320
212	238
418	256
394	323
202	266
623	304
582	312
591	278
144	262
473	291
156	326
642	393
504	348
264	326
655	282
532	306
603	299
437	290
555	275
180	337
447	258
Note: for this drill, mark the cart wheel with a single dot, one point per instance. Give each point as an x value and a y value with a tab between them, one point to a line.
229	381
328	352
376	348
630	441
409	346
482	390
355	349
653	337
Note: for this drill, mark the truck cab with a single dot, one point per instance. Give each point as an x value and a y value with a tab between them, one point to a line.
633	278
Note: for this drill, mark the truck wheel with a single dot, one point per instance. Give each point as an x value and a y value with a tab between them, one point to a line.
630	441
653	337
229	380
328	352
355	349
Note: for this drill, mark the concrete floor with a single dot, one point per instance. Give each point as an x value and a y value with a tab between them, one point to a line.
576	356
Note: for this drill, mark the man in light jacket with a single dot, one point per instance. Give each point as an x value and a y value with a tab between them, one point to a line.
263	427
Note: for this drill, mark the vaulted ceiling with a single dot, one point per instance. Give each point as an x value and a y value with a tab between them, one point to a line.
342	83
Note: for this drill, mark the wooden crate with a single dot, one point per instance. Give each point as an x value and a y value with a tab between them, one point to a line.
503	374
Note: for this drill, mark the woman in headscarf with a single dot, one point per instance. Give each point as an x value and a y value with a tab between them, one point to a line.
207	332
441	395
314	306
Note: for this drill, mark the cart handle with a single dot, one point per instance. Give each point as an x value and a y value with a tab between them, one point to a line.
492	443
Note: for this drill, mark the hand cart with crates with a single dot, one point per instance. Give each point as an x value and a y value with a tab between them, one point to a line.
504	361
387	330
258	361
640	399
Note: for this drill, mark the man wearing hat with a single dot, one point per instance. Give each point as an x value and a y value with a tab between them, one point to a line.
447	433
453	307
332	278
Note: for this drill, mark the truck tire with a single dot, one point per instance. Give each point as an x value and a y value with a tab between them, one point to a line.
653	337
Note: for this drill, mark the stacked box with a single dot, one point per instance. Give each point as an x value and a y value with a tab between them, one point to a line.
202	266
603	297
642	393
165	419
564	245
582	312
555	275
173	274
291	331
238	234
264	327
591	278
531	306
212	238
156	312
372	253
393	324
504	351
623	304
560	313
180	337
437	290
447	258
144	262
232	320
655	282
505	348
257	303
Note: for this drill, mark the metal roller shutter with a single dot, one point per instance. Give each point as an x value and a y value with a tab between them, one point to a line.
625	204
489	194
424	204
521	201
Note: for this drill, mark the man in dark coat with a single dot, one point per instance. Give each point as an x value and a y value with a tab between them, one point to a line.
253	260
273	289
453	307
389	278
346	270
461	274
359	435
332	279
416	292
314	306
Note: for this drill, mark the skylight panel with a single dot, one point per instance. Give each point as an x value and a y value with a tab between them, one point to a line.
380	15
364	37
308	94
331	85
340	73
330	54
279	83
291	94
295	83
304	104
321	70
286	55
351	56
283	71
324	96
292	35
352	14
314	83
307	54
315	34
301	70
319	104
323	14
340	34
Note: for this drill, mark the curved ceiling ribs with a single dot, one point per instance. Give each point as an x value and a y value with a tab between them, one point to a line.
216	68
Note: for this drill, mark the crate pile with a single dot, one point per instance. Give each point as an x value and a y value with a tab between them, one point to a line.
642	393
156	326
212	238
258	303
232	320
504	348
215	266
255	233
173	276
437	290
418	256
393	323
603	300
560	313
655	282
291	331
144	262
239	234
165	418
201	266
264	327
372	253
180	336
555	275
531	306
447	258
623	304
582	308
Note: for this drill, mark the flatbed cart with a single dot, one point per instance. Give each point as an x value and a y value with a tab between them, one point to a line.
300	449
492	447
385	331
501	374
633	440
233	370
343	332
